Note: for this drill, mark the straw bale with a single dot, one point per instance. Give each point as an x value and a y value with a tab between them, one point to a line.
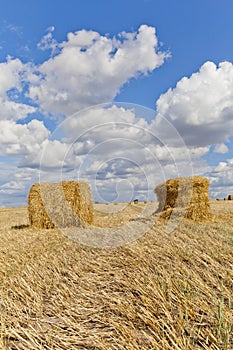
63	204
230	197
187	196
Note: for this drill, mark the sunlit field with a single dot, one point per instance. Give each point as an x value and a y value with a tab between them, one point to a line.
162	291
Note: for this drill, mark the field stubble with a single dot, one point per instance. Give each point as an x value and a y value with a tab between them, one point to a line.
163	291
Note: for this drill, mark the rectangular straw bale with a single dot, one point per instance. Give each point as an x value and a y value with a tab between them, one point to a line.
230	197
63	204
187	195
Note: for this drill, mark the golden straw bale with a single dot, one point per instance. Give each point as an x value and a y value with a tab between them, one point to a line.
230	197
187	196
63	204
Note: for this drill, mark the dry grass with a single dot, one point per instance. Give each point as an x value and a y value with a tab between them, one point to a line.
112	216
161	292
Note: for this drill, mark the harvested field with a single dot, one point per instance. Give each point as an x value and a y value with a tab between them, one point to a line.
160	292
13	217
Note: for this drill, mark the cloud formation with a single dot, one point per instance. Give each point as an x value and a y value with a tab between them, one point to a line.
14	183
201	107
48	42
108	144
221	148
86	69
22	139
111	146
91	68
221	179
12	75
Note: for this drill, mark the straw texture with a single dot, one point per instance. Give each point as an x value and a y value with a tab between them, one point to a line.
184	196
63	204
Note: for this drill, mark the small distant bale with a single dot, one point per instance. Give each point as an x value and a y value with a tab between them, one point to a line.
185	196
218	199
225	199
135	201
230	197
145	202
63	204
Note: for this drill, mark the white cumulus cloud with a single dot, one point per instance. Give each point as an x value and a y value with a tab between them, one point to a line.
12	75
201	107
22	139
91	68
221	179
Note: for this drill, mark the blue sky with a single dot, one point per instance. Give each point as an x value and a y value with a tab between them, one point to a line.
58	58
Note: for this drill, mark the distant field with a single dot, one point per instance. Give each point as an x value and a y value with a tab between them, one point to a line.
162	291
106	213
13	216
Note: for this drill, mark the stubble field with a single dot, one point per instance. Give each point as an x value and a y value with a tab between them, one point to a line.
162	291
